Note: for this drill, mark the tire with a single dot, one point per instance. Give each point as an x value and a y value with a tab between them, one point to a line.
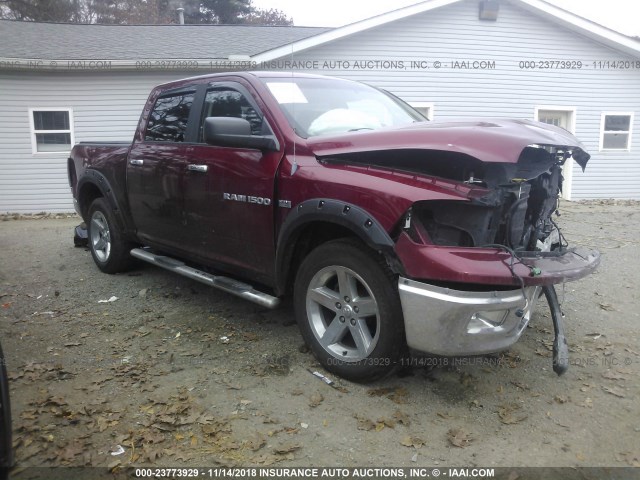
109	249
348	310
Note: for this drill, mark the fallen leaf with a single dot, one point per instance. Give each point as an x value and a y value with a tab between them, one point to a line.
466	379
543	353
612	375
316	399
364	423
444	415
402	418
386	422
256	442
631	458
614	391
70	451
379	392
588	403
412	441
287	448
506	414
458	437
399	396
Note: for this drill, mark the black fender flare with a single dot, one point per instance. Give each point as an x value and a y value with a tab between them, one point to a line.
359	221
97	179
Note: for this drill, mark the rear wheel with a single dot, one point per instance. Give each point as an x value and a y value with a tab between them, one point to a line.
348	310
109	249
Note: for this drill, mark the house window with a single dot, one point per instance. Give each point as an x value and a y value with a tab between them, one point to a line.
615	131
51	129
168	119
425	108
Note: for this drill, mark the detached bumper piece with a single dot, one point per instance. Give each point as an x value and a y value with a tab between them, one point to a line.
491	266
444	321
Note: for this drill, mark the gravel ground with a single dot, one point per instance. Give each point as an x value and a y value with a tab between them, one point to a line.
173	373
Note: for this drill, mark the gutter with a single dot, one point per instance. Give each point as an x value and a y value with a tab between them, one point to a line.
142	64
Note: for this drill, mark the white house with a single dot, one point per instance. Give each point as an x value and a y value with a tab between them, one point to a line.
61	84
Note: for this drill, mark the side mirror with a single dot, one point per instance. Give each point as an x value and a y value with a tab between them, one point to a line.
235	132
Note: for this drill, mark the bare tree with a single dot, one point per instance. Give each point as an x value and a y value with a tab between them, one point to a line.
140	11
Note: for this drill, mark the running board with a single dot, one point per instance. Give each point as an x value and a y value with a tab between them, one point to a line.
226	284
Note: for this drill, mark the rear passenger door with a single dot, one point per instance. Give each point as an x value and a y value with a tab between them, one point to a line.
156	168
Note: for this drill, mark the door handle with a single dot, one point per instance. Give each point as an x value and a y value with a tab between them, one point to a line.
136	162
197	168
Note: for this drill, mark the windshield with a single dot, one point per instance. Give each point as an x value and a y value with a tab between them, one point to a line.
326	106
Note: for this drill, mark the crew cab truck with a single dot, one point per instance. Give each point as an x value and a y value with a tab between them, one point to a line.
392	233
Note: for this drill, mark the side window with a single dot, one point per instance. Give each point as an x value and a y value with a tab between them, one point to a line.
168	119
51	129
226	102
615	131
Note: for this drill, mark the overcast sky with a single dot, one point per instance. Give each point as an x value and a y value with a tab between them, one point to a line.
620	15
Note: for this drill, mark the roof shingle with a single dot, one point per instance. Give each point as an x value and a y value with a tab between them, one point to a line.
31	40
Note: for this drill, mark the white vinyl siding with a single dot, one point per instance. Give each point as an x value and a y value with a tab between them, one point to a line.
106	106
454	33
103	106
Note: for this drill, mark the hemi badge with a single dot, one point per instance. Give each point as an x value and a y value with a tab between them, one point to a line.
284	203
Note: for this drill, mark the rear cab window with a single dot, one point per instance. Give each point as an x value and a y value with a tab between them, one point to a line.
169	117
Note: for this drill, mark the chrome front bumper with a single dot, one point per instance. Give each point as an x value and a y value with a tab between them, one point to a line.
443	321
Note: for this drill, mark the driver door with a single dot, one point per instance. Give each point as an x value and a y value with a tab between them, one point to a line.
229	192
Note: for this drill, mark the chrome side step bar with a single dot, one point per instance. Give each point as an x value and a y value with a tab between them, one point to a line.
227	284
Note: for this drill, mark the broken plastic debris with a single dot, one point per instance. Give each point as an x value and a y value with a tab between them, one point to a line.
111	299
326	380
118	451
224	339
304	425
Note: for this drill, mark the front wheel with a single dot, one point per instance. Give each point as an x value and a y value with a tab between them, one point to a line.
348	310
109	249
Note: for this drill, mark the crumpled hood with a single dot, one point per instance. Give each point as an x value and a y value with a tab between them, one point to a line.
489	140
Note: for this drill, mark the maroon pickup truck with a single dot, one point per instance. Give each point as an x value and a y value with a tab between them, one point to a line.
393	234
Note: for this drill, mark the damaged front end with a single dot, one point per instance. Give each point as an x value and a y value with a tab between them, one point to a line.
474	268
